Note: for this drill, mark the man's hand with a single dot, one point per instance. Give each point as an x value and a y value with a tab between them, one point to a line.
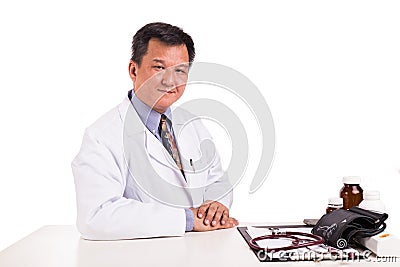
199	225
213	213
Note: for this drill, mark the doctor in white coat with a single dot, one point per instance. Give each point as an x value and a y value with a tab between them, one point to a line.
141	171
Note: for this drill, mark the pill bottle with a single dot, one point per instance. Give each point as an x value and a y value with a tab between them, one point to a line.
334	203
351	191
372	202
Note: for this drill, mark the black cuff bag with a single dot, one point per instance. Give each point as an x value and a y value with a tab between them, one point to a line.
339	227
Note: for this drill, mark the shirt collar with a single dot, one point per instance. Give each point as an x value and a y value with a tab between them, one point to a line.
149	117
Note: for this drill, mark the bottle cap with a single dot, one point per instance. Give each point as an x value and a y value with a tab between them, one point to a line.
371	195
351	180
337	201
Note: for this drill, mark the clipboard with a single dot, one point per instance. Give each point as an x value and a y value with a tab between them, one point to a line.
284	256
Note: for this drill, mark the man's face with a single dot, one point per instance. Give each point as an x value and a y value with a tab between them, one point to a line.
161	78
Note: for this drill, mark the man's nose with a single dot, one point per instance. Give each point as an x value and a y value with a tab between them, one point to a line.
168	78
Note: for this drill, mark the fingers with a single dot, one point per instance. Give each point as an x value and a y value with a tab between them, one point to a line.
199	225
221	216
202	209
214	213
230	223
218	216
225	216
211	211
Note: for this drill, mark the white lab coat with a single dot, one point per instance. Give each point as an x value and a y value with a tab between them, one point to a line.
113	181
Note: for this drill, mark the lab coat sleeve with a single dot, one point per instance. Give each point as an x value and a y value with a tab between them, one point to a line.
102	211
220	187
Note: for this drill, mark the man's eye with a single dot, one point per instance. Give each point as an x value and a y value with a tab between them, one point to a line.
158	67
180	71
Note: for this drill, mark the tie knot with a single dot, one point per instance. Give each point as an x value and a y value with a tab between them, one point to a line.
163	124
163	119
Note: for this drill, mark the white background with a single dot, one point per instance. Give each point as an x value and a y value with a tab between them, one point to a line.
328	70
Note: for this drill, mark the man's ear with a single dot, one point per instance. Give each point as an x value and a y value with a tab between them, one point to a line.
132	70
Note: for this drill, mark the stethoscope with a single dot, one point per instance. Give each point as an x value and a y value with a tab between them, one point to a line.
299	240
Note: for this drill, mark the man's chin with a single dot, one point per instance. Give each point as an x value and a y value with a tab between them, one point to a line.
164	105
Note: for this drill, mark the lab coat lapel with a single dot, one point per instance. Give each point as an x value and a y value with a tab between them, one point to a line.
158	152
188	143
153	146
186	137
139	146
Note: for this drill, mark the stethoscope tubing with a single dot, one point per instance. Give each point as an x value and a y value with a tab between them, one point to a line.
305	241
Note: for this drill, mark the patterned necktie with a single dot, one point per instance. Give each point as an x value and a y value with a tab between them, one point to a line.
169	143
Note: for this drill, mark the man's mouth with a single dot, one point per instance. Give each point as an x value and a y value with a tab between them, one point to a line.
173	91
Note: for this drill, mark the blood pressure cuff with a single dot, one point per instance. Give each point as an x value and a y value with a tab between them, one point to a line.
339	227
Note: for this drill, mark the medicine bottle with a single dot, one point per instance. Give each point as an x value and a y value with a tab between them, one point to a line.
334	203
351	191
372	202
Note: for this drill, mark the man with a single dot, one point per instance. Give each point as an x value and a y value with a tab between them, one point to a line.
140	171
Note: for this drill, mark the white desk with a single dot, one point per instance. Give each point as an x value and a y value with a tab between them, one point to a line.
59	246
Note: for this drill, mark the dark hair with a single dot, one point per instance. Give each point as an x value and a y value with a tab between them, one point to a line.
166	33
